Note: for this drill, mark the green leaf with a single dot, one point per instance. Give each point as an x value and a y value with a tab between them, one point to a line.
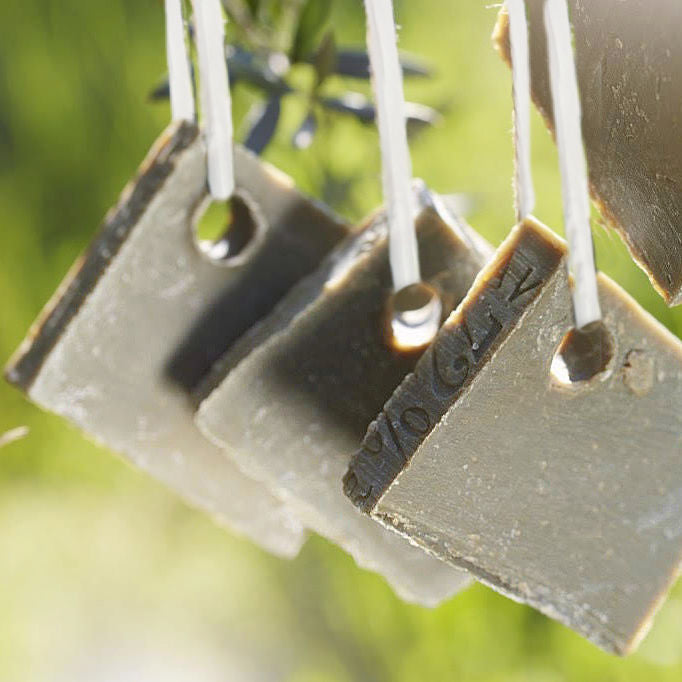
312	20
325	58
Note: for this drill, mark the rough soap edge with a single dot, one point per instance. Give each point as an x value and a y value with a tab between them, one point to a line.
619	646
85	273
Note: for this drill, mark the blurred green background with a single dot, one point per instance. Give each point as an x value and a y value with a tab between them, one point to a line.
104	575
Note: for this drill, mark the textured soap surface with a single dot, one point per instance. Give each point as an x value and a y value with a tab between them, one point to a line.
568	498
629	62
298	392
143	316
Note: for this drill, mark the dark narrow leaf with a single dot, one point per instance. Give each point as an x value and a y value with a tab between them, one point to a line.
242	66
413	67
352	103
247	67
312	20
263	119
160	91
354	63
417	116
325	58
305	134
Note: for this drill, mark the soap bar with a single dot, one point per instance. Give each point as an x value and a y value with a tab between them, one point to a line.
143	315
629	64
294	397
563	495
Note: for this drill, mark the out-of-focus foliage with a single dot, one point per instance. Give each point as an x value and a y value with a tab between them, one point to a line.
106	576
267	39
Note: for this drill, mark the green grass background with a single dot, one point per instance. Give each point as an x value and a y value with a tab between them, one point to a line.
104	575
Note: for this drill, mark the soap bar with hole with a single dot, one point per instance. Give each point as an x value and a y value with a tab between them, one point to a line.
143	316
294	397
564	496
629	63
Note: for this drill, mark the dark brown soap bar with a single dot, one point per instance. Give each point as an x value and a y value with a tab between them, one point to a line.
143	315
294	397
629	63
564	496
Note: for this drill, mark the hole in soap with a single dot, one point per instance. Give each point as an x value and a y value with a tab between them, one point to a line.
415	316
224	230
582	355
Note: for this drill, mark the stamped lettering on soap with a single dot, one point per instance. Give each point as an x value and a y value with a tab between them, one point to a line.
468	339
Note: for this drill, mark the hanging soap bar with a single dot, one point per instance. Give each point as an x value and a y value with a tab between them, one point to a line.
143	316
295	395
566	496
629	65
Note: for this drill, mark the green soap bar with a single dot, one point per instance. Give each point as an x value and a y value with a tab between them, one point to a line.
143	315
629	64
294	397
565	496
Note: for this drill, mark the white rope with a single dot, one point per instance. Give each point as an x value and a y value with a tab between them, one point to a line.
396	165
520	56
567	121
179	75
216	104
